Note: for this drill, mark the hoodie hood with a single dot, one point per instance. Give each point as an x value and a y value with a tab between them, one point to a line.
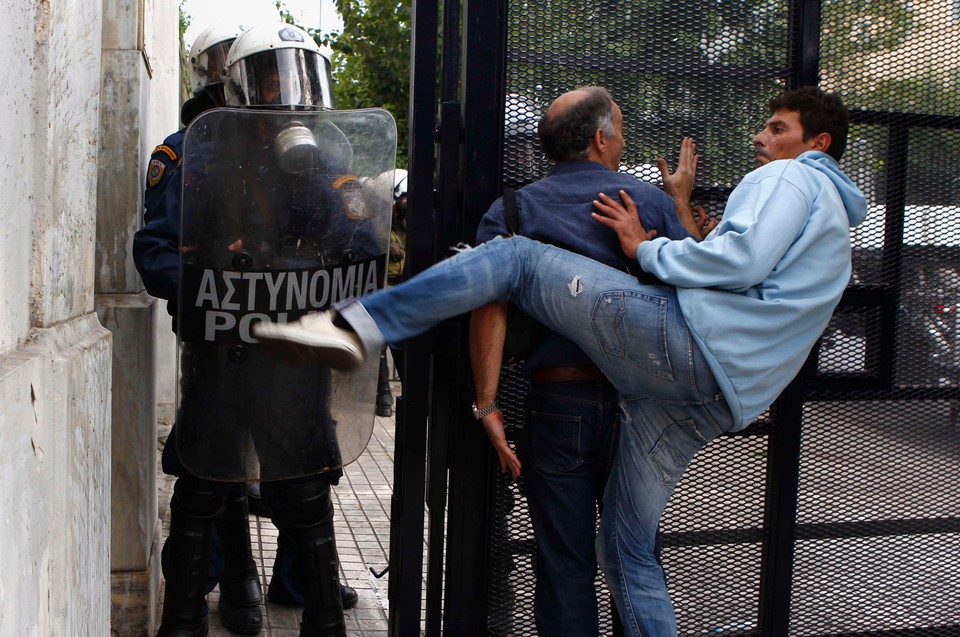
853	199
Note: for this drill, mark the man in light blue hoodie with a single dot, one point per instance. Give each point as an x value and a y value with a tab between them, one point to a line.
701	355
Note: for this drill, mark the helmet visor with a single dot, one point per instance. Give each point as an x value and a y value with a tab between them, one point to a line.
209	67
280	78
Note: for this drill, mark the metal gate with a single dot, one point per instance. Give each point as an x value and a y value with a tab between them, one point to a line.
838	512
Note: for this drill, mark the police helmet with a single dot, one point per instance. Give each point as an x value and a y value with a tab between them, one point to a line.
208	57
279	66
399	184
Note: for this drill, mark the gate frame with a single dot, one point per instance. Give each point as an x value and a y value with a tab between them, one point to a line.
436	433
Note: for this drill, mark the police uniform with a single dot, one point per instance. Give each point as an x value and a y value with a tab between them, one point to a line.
197	504
286	221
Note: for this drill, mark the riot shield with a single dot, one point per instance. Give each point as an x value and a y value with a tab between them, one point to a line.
282	213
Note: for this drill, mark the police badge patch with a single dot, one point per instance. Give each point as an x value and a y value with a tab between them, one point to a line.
289	35
155	172
353	204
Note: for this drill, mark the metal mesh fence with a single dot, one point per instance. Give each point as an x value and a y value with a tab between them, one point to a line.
701	69
876	477
877	504
878	508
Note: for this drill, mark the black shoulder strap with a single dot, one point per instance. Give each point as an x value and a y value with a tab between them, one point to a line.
511	212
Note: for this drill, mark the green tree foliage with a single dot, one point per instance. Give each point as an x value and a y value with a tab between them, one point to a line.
371	59
184	24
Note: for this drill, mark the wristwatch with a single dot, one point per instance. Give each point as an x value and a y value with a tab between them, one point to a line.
486	411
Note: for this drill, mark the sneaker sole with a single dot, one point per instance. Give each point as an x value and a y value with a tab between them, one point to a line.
304	347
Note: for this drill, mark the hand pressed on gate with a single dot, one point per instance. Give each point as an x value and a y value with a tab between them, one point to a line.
680	182
679	185
623	219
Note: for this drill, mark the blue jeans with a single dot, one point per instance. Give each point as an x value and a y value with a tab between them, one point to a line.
567	448
671	403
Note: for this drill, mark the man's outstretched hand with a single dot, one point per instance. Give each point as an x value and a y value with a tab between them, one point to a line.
623	220
679	185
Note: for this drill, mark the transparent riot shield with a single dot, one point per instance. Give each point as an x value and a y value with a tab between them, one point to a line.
283	213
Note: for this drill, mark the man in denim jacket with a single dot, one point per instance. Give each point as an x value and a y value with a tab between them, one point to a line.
570	433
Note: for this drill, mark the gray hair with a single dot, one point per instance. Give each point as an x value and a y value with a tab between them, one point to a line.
567	136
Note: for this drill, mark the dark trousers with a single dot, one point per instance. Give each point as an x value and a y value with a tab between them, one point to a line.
567	449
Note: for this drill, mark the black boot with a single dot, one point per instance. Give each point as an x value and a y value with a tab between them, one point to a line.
285	589
384	395
240	592
194	508
303	512
318	566
255	501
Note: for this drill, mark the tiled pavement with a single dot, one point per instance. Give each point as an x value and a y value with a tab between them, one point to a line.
362	520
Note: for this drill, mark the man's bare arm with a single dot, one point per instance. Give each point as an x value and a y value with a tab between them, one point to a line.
488	330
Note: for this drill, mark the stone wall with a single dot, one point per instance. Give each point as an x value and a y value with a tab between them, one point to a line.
55	371
91	87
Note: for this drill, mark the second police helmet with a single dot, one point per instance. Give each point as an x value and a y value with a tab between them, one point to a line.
399	184
400	191
277	65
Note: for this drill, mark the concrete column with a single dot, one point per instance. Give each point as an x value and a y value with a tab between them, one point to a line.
138	86
135	528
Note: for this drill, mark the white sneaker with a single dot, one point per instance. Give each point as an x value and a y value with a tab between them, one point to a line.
312	339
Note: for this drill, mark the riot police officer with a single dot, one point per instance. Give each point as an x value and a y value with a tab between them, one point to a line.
184	560
397	257
299	209
280	67
205	516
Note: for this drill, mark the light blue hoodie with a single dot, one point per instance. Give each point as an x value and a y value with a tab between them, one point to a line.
760	289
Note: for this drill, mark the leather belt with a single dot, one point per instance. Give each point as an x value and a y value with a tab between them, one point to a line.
565	374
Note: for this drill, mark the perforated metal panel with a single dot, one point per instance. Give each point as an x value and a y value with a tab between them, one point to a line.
878	504
701	68
878	488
